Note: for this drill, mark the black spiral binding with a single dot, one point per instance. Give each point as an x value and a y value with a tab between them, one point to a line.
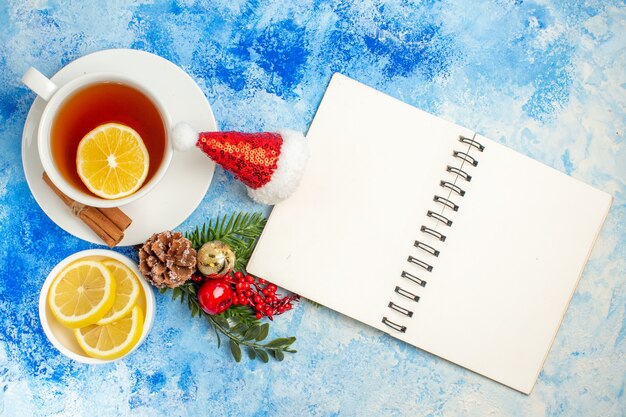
440	217
400	309
459	172
445	202
471	142
465	157
433	232
453	187
413	278
393	325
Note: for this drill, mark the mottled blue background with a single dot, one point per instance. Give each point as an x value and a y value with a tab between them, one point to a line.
545	77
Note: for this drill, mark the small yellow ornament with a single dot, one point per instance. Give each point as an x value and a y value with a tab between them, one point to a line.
215	259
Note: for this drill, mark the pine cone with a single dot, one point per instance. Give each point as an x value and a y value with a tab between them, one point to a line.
167	259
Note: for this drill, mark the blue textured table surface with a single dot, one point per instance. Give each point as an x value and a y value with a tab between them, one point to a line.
546	78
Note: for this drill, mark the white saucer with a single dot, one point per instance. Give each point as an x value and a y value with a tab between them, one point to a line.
188	178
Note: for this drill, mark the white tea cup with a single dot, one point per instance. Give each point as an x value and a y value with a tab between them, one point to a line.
57	96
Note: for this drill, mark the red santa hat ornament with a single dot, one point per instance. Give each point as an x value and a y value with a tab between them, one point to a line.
269	164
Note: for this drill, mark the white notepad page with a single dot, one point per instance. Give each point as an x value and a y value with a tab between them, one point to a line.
504	275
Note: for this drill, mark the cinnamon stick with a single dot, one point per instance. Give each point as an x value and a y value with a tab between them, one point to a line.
117	216
108	224
109	236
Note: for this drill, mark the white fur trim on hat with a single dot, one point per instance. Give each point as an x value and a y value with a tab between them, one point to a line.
290	167
184	137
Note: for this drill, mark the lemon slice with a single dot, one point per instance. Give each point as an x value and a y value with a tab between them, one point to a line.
127	291
82	293
112	161
113	340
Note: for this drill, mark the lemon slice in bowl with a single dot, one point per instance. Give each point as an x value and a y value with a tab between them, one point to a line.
112	161
127	291
82	293
113	340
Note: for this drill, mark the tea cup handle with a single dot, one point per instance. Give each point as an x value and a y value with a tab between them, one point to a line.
39	83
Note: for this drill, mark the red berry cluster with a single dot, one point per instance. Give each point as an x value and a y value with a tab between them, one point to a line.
260	295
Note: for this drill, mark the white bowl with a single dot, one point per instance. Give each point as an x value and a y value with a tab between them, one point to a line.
63	338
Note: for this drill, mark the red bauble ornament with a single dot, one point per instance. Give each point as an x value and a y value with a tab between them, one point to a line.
215	296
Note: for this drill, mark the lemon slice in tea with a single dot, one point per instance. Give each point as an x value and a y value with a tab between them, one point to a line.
112	161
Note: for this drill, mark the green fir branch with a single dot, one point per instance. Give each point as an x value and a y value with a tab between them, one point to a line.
238	323
314	303
240	326
240	231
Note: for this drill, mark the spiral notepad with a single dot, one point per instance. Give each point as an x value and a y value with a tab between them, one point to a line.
433	234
